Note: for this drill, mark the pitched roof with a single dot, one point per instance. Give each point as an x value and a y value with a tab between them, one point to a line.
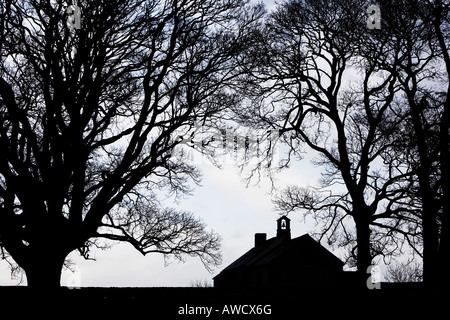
304	251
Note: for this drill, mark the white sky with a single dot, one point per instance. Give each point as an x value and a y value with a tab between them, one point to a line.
226	205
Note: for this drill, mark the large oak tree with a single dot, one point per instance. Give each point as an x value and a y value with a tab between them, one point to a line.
89	118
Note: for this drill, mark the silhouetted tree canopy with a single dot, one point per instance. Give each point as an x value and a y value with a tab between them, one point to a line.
89	118
371	104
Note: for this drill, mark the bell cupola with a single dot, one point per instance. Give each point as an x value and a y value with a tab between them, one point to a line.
284	228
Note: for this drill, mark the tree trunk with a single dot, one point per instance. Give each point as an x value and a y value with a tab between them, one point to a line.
430	236
444	241
364	257
444	144
363	243
44	271
430	232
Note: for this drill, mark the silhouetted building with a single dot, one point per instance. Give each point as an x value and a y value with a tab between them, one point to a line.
282	262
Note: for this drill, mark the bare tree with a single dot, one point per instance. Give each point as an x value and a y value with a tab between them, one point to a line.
405	272
310	50
383	138
88	119
200	284
420	28
440	19
312	46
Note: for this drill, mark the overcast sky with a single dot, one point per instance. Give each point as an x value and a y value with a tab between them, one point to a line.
224	203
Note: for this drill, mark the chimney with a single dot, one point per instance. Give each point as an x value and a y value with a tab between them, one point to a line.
260	238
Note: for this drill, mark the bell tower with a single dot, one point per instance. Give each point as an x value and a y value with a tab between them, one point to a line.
284	228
